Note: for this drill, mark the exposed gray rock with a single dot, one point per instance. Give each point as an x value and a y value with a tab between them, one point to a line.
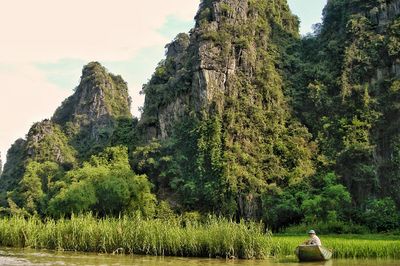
94	98
385	13
178	47
396	68
212	80
170	114
46	142
89	115
211	66
388	11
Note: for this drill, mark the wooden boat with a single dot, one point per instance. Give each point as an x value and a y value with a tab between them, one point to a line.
313	253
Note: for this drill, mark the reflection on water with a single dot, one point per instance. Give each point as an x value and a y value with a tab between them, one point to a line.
17	257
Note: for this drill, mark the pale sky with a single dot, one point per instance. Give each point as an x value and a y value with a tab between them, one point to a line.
45	43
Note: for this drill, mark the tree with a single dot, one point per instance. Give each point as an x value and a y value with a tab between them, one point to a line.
329	203
110	186
382	215
79	197
36	186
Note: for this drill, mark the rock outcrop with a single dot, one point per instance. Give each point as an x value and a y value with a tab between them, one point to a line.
352	81
201	70
46	142
83	125
384	13
89	115
99	97
13	168
227	75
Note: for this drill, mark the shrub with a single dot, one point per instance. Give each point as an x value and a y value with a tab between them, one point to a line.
382	215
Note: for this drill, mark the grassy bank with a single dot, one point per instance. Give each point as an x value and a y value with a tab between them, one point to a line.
177	237
344	246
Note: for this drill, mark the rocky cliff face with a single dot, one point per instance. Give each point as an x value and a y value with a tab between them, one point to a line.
351	81
46	142
382	29
13	168
202	70
384	13
82	126
242	111
382	16
89	115
99	96
226	78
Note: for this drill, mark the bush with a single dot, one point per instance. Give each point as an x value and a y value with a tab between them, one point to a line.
329	204
381	215
106	186
164	211
333	227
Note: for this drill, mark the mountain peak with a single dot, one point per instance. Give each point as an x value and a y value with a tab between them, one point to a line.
93	67
99	95
81	126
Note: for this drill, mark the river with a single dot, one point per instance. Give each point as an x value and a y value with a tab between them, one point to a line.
11	257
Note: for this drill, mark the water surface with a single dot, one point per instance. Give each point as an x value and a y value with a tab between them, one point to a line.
10	256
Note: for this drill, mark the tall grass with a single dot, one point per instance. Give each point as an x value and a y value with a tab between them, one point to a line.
177	237
350	246
214	238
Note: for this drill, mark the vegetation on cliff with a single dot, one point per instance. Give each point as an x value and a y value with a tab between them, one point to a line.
84	125
346	95
219	109
243	118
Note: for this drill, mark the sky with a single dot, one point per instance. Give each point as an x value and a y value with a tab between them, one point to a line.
45	43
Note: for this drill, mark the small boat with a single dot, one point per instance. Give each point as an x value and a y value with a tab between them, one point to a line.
313	253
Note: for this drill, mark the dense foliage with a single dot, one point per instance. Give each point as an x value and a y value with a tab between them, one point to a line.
243	118
224	154
344	91
246	154
105	185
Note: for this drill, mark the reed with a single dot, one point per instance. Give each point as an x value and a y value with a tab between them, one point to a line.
214	238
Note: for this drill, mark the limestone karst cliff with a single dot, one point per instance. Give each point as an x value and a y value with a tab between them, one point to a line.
200	70
246	118
226	79
81	126
90	115
347	94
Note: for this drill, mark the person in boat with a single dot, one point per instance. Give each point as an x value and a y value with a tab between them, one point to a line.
314	239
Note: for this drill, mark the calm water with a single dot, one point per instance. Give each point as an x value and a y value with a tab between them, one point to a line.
33	257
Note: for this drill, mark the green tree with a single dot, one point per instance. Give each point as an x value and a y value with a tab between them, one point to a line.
111	187
78	198
36	186
382	215
328	204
